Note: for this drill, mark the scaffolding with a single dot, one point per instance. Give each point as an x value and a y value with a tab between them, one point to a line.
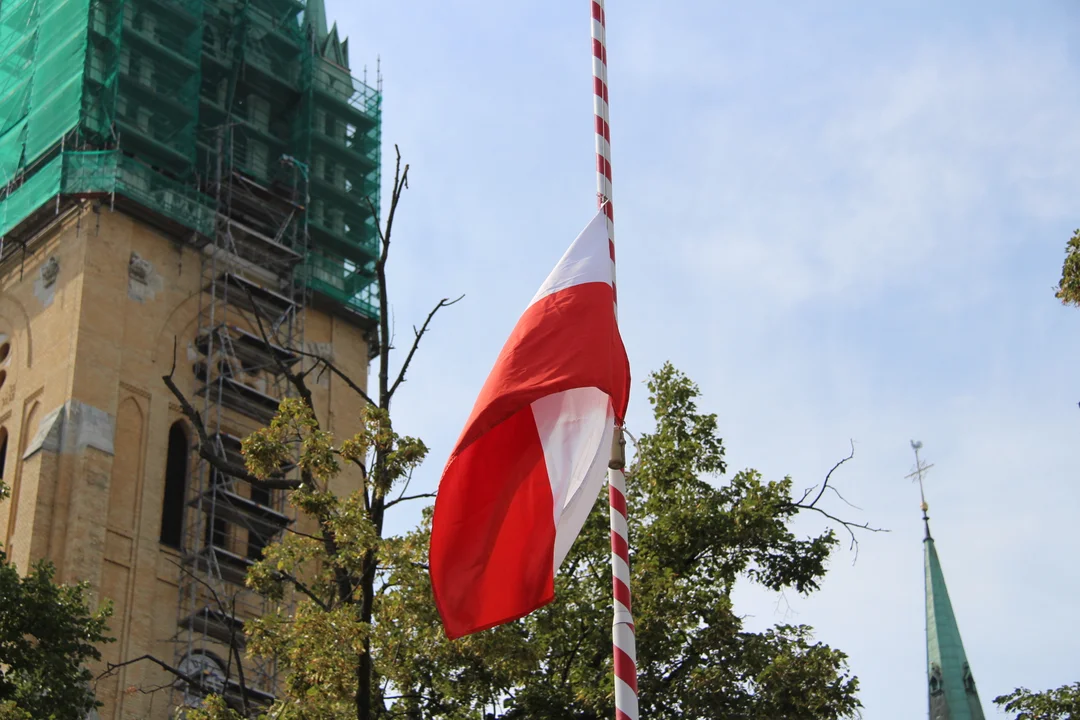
121	98
236	126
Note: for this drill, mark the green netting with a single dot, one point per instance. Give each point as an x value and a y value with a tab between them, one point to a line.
11	146
56	84
337	279
157	80
31	195
88	172
173	199
150	99
345	144
110	171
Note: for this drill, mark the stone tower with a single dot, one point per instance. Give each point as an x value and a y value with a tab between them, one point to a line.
177	177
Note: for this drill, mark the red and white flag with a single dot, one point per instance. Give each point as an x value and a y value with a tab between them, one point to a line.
533	456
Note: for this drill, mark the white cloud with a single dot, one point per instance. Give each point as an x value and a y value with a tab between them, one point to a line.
839	224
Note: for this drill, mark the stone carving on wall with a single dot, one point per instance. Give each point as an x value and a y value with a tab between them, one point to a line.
139	269
143	281
45	282
49	271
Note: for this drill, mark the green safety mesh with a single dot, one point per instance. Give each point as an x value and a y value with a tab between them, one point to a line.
110	171
31	195
42	55
151	99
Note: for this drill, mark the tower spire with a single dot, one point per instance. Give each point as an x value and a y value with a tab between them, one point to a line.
952	693
315	18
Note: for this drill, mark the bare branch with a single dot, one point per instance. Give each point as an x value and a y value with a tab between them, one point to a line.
844	499
337	371
296	380
323	605
849	526
234	648
206	451
406	498
401	182
445	302
111	668
828	475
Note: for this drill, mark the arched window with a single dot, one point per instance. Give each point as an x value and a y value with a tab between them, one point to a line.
935	679
176	474
3	451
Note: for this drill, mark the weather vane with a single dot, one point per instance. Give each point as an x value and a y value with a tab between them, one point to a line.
920	471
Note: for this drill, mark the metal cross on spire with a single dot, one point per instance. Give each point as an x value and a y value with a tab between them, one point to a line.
918	475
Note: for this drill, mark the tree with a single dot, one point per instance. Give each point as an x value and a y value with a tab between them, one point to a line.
327	647
1068	291
1062	703
364	639
47	636
691	540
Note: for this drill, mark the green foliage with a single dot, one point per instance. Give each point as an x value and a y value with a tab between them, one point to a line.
1068	291
214	708
692	538
47	636
1062	703
10	711
367	598
321	645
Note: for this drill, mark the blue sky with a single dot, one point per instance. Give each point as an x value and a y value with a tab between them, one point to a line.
842	221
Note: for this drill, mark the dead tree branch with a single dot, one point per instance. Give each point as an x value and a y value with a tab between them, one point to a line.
337	371
207	449
445	302
294	379
234	645
849	526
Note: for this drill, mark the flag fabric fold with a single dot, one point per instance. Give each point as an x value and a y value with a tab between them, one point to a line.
533	456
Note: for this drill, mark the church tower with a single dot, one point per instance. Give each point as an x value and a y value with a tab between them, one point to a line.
951	685
188	189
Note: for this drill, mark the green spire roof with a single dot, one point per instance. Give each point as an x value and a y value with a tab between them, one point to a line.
328	44
315	18
951	686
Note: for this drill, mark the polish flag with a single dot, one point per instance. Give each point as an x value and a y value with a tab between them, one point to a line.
533	456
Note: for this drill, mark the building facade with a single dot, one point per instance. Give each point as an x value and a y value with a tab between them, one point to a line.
189	189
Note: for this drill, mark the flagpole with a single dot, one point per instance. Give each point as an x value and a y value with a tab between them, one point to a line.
622	628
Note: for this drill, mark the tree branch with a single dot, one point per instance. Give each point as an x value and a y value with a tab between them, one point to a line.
406	498
110	668
828	476
849	526
295	379
337	371
323	605
416	341
401	181
205	452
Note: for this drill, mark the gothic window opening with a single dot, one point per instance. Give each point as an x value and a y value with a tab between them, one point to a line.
3	450
935	680
969	679
176	474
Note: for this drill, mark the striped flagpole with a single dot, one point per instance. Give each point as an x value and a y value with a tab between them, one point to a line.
622	629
